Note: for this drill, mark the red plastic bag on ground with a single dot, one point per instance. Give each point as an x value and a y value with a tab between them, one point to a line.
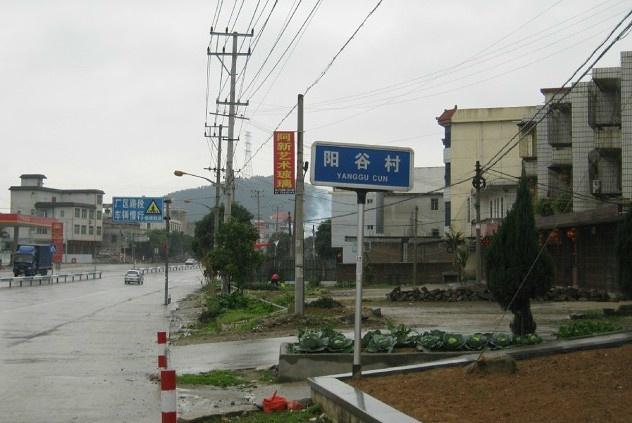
274	403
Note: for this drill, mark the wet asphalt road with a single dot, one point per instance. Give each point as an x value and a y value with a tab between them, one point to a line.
83	351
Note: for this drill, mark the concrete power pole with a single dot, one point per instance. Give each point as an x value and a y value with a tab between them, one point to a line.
167	226
258	193
299	294
478	182
230	176
415	223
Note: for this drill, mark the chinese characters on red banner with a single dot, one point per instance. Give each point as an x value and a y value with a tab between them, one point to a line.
284	180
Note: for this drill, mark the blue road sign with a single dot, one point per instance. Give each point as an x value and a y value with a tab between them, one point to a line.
137	209
357	166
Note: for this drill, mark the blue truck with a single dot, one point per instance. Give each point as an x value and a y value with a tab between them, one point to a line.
30	260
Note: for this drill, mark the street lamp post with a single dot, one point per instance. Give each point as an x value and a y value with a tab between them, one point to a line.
215	216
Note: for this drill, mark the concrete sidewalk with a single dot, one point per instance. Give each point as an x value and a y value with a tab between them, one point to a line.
233	355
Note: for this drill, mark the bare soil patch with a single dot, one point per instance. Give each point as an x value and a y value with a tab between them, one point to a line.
587	386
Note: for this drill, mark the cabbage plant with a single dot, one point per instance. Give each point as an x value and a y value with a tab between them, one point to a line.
500	340
381	343
311	341
368	336
429	341
404	335
478	341
339	343
528	339
453	341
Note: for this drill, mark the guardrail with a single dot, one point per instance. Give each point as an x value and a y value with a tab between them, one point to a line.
72	277
172	268
62	277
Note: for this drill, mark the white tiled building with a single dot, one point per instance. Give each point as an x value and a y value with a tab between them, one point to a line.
585	142
80	211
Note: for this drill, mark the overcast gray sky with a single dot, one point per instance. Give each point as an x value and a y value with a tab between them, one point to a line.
112	94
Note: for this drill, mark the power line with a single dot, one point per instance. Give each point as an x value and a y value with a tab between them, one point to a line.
533	122
321	75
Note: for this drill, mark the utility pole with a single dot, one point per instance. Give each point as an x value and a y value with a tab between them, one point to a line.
258	194
217	187
276	226
478	182
415	246
218	172
289	229
167	224
230	177
299	295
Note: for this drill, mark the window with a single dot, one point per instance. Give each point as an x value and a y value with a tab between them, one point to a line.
448	173
435	233
84	213
91	230
91	214
369	227
369	201
434	204
98	230
448	213
77	228
83	229
61	213
77	212
99	198
99	214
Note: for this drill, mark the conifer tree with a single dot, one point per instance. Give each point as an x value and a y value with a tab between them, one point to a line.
515	272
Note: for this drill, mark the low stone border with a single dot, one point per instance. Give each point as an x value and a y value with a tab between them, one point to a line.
344	403
556	293
294	367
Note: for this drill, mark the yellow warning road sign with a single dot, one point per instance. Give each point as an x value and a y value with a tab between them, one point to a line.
153	208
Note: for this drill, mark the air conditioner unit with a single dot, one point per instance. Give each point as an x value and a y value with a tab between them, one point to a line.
596	186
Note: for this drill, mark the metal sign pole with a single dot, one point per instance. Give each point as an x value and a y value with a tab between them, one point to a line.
357	345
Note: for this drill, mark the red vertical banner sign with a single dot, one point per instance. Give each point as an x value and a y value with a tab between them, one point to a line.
284	179
57	237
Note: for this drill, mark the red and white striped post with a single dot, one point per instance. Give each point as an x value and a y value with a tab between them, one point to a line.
168	396
162	350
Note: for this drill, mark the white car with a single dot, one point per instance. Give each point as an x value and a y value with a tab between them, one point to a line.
190	262
134	276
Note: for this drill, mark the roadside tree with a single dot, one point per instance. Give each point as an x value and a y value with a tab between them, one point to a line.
517	270
235	256
323	241
204	229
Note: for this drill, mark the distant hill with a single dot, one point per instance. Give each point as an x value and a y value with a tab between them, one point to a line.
317	200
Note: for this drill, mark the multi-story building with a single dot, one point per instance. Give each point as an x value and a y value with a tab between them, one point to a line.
80	211
394	223
478	134
585	140
584	169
